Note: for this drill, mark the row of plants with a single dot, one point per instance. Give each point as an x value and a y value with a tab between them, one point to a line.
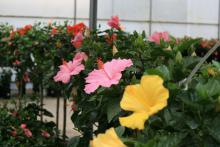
131	86
21	127
35	51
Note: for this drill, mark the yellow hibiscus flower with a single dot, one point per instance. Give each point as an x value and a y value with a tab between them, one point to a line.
109	139
144	100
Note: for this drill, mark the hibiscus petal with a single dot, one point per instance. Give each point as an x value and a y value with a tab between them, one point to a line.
89	88
144	100
135	120
109	139
116	66
134	99
156	95
80	56
95	79
77	69
63	77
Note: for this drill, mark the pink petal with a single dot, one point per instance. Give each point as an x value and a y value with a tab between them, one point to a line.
80	56
114	22
77	69
157	36
116	66
110	75
77	41
63	77
89	88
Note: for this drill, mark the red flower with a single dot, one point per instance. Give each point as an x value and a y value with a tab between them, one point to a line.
74	30
114	22
111	39
45	134
21	31
77	41
24	30
53	31
27	27
17	62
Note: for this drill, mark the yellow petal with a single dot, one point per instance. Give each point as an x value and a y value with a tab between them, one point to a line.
135	120
155	93
144	100
109	139
134	99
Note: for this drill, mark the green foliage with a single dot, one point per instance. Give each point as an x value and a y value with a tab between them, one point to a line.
11	120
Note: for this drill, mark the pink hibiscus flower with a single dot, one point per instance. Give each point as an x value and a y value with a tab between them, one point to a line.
80	56
108	74
45	134
23	126
27	132
158	36
114	22
77	41
71	68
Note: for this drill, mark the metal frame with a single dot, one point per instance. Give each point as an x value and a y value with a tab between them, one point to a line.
123	20
218	20
150	17
93	14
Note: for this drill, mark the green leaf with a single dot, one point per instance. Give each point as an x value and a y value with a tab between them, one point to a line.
73	142
113	108
216	64
202	91
162	71
214	128
120	130
171	140
213	87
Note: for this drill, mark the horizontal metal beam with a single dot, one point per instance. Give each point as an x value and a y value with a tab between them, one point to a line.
122	20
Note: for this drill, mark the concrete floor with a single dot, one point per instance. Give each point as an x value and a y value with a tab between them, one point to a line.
50	104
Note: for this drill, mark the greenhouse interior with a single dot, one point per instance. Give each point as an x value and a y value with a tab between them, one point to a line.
109	73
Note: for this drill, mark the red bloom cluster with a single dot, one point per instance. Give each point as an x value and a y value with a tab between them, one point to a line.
21	31
24	30
54	31
75	29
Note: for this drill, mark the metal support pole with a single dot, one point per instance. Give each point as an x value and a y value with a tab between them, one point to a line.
75	12
64	118
150	17
58	111
93	14
41	100
218	20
